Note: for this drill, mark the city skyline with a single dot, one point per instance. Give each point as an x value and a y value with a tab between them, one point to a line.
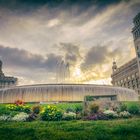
34	37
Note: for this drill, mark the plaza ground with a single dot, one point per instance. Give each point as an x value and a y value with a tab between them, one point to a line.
124	129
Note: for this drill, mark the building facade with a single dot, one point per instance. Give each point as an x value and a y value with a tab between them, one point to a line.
6	81
128	75
136	36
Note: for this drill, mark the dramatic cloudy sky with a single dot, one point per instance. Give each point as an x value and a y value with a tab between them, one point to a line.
36	35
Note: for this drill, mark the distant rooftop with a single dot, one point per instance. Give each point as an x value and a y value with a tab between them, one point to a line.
6	79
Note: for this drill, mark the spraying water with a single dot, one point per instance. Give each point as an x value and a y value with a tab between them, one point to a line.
63	72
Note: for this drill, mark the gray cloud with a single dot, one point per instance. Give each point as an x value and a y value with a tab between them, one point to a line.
23	59
71	52
52	62
98	61
46	25
95	55
33	32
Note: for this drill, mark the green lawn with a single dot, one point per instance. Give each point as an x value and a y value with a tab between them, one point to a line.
128	129
132	103
65	106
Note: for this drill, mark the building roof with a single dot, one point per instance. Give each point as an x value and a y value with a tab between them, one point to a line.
126	66
129	63
8	79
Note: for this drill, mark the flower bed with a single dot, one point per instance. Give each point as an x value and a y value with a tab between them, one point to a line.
19	111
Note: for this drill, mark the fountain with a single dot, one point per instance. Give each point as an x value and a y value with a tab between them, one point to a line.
63	72
63	91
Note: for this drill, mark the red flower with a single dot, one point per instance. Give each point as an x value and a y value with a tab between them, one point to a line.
19	102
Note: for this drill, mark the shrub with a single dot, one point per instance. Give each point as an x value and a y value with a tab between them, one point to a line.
89	98
26	109
36	109
102	116
7	112
5	118
4	110
110	114
92	117
69	116
70	110
32	117
78	116
13	113
97	116
123	107
94	108
20	117
133	109
20	108
78	109
51	113
11	107
125	114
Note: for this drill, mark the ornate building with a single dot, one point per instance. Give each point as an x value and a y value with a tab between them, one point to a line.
128	75
6	81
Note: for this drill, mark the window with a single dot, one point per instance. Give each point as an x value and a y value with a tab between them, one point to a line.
138	54
133	76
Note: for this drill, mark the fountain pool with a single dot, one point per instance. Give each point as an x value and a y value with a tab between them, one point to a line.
64	93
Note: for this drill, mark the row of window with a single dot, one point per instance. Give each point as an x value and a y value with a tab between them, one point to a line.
133	76
126	70
137	34
137	22
6	84
129	84
128	79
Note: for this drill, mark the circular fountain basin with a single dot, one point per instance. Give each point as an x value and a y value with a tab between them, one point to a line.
64	93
